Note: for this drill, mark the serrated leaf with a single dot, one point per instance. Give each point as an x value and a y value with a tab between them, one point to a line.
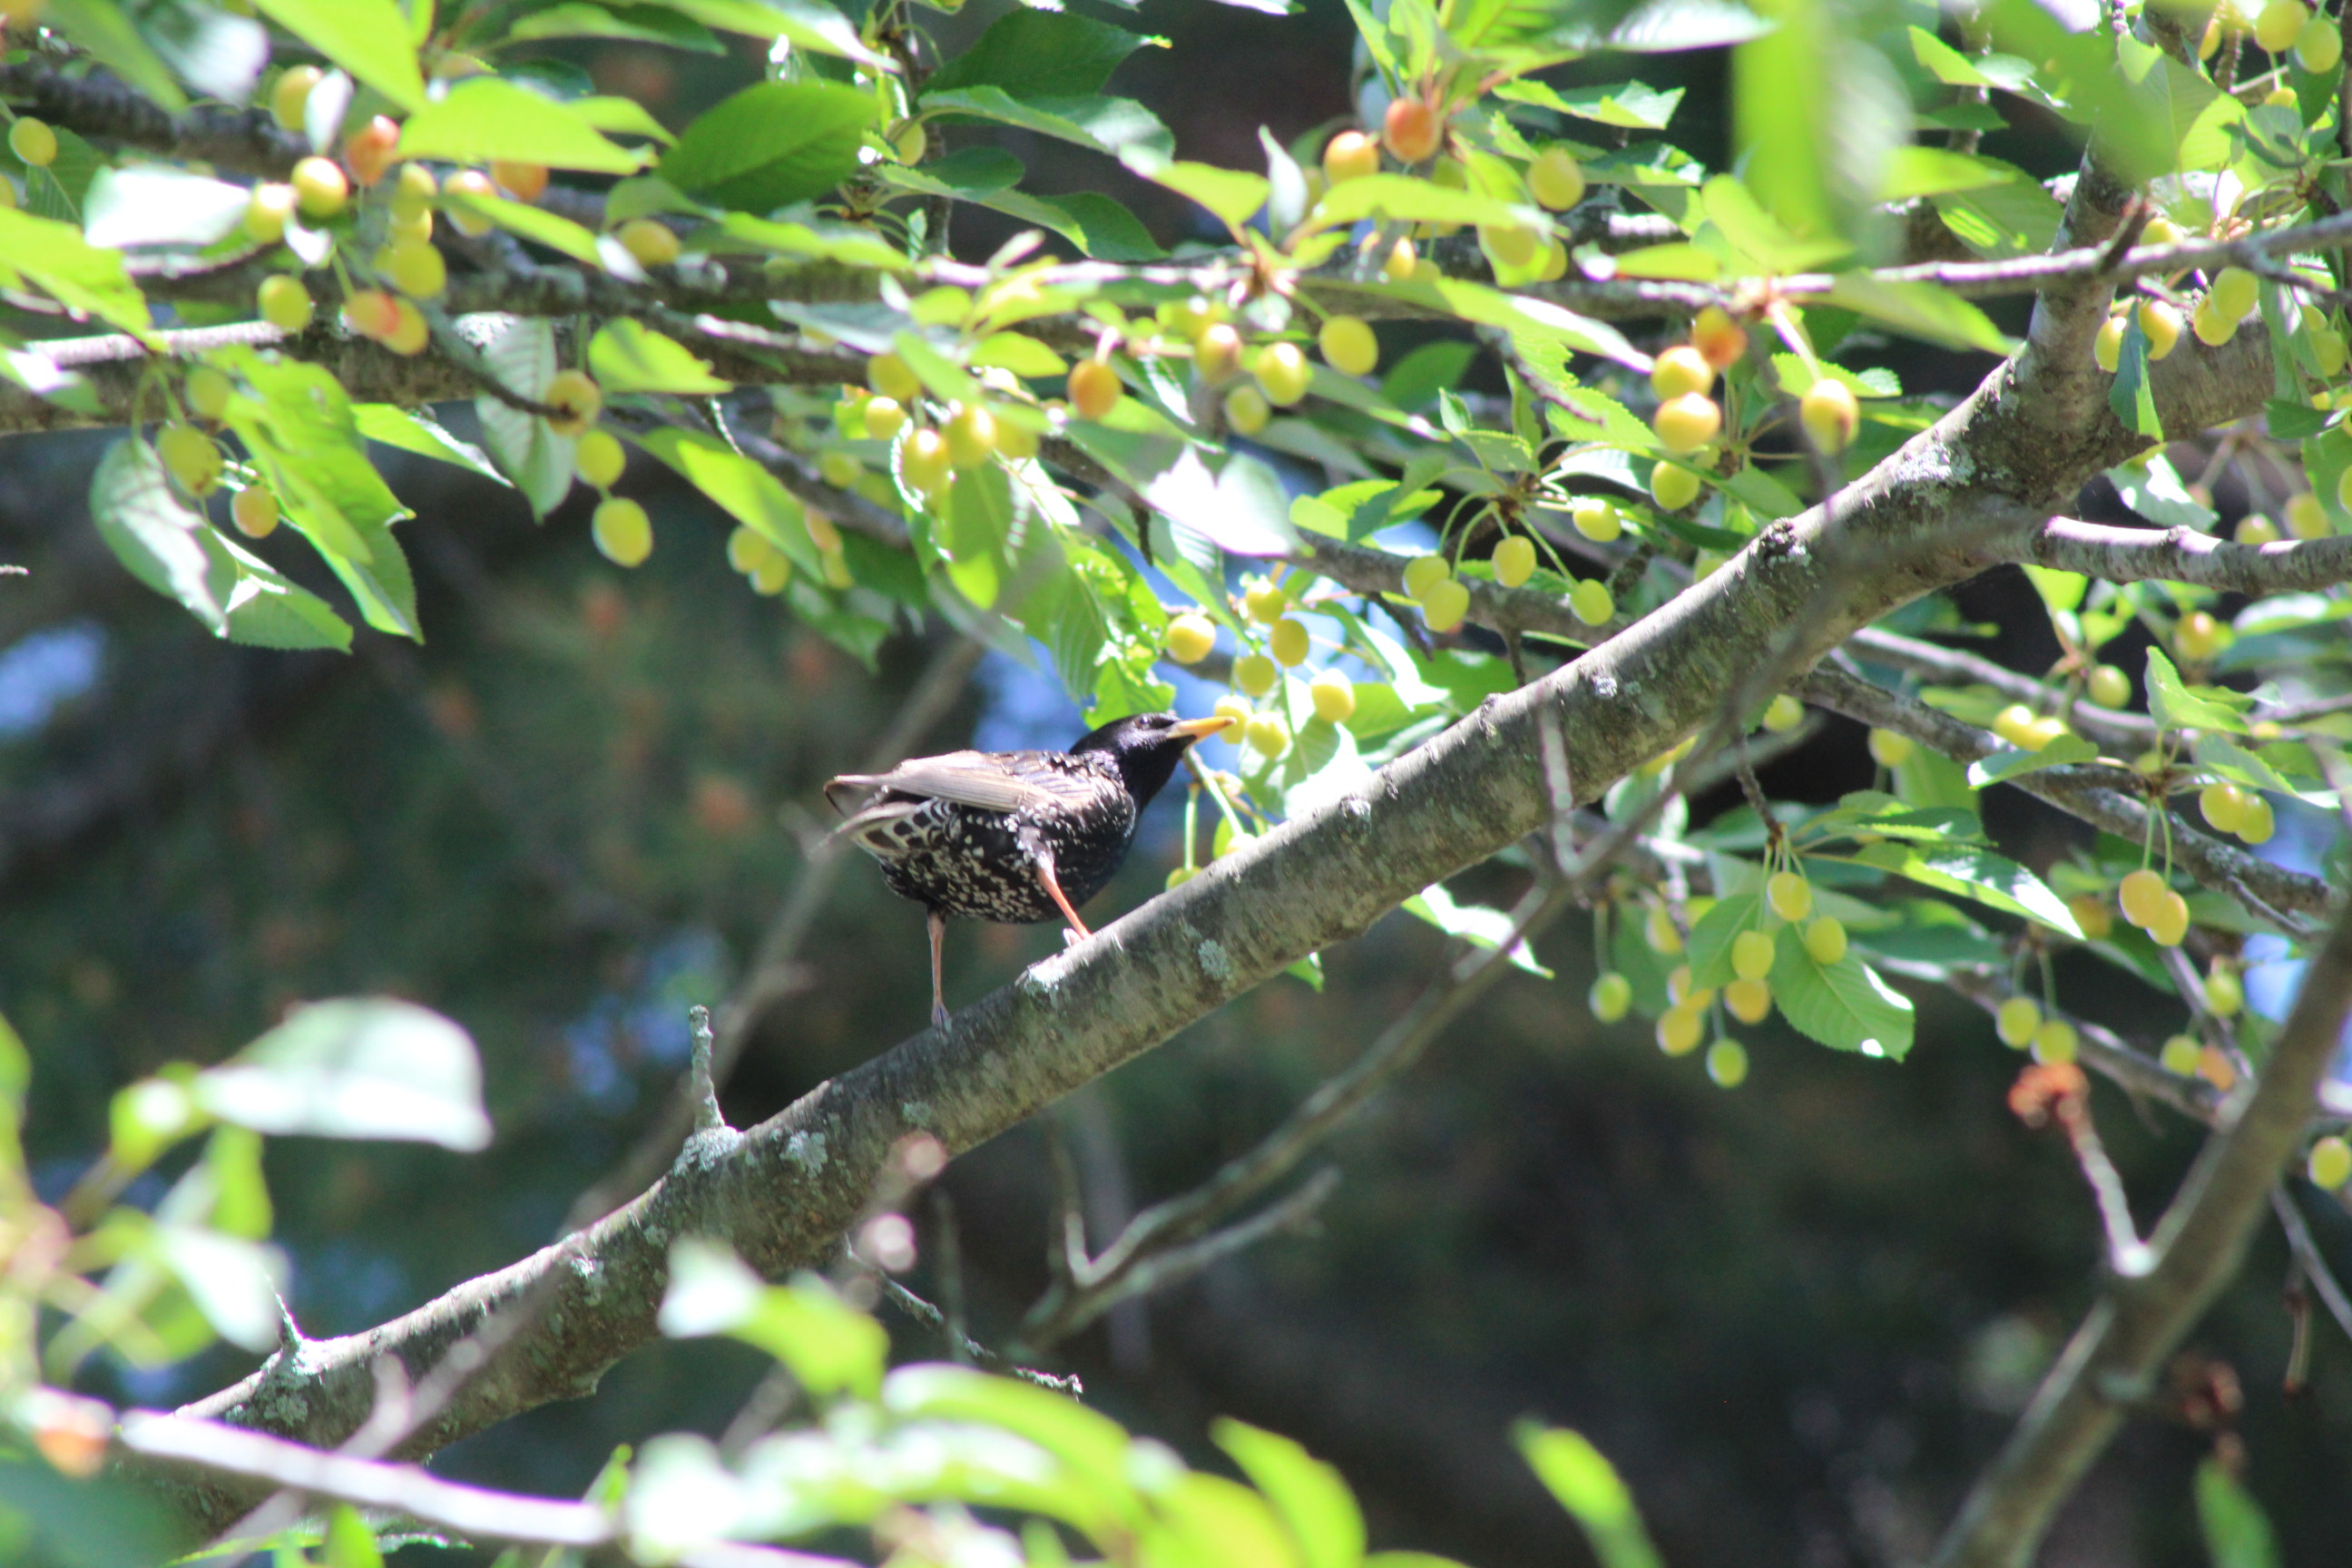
484	118
535	457
52	256
1113	125
1234	194
525	221
636	23
1925	310
627	356
2003	765
299	426
1474	923
1711	938
356	1067
2153	488
1588	1486
1845	1005
1243	507
739	487
770	145
1629	104
811	23
368	38
412	430
1409	199
2174	704
1052	53
100	27
1991	880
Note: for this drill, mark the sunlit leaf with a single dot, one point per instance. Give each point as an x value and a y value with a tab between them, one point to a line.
363	1068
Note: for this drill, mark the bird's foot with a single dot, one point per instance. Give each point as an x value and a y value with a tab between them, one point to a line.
1071	938
939	1016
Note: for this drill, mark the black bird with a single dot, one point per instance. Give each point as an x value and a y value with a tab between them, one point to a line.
1014	836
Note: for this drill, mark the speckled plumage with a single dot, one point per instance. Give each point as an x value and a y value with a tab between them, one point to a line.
995	835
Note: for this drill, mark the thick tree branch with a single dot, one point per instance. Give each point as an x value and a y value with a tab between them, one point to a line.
104	109
2184	555
2113	1358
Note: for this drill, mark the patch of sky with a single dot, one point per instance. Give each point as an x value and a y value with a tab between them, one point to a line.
43	670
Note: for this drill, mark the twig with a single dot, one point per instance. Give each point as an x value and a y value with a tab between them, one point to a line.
2115	1354
2095	794
2305	1246
475	1513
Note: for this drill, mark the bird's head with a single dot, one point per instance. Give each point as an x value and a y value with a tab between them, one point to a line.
1147	747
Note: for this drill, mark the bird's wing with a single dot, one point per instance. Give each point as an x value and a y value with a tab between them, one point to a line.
991	782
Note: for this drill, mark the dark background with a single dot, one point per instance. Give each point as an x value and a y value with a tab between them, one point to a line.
1799	1315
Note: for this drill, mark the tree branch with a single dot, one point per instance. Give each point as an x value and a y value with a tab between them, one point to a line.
2114	1357
2184	555
2095	793
210	1448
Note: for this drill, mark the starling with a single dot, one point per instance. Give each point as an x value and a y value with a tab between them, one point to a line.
1014	836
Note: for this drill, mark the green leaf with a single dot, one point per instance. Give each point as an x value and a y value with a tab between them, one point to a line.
2130	395
1474	923
1782	115
412	430
770	145
2019	219
234	1282
1041	53
1311	1499
1234	194
830	1347
535	457
1242	509
349	1544
1665	26
1845	1005
2237	1532
368	38
1588	1487
2006	764
2153	488
55	258
357	1068
147	203
115	42
740	488
1709	951
1974	873
1112	125
1406	198
2174	704
973	528
1939	170
636	24
811	23
1539	320
1089	1444
1627	104
525	221
483	117
1024	356
1925	310
153	533
816	240
627	356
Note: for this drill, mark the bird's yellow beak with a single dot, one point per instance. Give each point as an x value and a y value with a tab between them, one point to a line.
1201	729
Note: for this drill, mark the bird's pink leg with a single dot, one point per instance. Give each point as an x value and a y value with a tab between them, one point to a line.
1053	887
